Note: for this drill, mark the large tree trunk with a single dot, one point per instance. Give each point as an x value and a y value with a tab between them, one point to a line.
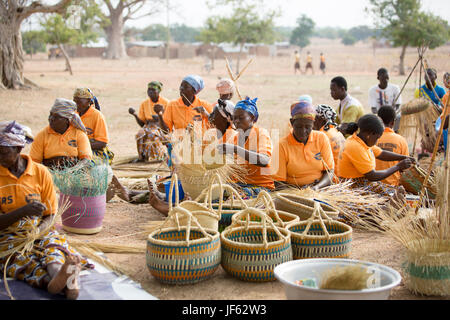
11	55
114	33
402	61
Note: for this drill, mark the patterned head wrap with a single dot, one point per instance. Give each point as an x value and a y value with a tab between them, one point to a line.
328	114
248	105
196	82
155	85
306	98
447	80
67	109
86	93
303	110
225	86
13	134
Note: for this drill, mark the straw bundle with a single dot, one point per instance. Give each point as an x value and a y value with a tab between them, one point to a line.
418	117
345	278
107	247
85	179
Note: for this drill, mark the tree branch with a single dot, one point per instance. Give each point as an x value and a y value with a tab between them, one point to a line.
36	7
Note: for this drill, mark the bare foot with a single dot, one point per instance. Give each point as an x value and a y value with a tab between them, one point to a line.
122	191
155	202
66	275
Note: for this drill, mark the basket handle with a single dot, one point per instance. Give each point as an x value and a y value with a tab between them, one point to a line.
264	221
174	180
269	205
317	213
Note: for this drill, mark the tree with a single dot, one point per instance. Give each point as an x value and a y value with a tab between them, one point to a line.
348	39
402	22
33	41
12	14
213	33
361	33
302	33
114	22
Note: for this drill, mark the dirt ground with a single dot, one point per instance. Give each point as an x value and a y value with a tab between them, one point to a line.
122	84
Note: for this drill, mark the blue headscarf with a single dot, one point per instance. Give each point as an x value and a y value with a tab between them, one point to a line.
248	105
196	82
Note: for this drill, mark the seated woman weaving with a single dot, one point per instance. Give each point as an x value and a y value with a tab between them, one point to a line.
252	148
28	203
357	160
64	141
305	156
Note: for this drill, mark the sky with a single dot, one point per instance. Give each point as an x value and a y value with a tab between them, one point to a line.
343	13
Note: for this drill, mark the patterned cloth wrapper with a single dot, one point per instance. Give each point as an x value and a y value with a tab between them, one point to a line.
150	146
225	86
196	82
248	105
13	134
104	155
67	109
31	267
328	114
303	110
249	191
155	85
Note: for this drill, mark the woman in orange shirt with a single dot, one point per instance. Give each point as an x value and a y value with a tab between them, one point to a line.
57	265
253	148
305	156
325	121
148	139
64	141
358	159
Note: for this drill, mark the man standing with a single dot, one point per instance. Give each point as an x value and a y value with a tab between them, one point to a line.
384	93
309	63
297	62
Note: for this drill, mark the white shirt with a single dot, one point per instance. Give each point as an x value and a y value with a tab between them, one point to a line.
384	97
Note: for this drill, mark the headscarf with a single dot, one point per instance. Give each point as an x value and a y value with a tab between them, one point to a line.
328	114
155	85
248	105
13	134
196	82
303	110
447	80
86	93
67	109
306	98
225	86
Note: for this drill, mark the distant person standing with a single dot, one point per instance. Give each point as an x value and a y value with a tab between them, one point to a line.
309	63
297	62
322	63
384	93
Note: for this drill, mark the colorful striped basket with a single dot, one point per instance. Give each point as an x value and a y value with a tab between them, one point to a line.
183	255
318	238
301	206
252	252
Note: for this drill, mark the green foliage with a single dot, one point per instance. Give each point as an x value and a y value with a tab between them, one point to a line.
348	39
302	33
33	41
329	32
403	22
361	33
158	32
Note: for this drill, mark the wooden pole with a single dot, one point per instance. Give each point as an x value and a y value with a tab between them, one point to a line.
235	78
443	214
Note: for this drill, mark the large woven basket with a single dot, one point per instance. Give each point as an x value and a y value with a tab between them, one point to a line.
428	272
318	238
300	206
183	255
252	252
195	178
412	180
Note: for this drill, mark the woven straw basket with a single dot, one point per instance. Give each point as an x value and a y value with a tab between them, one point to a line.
183	255
316	238
195	178
251	252
428	272
300	206
412	180
416	106
279	218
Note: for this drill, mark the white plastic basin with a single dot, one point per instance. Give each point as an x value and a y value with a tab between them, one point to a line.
382	280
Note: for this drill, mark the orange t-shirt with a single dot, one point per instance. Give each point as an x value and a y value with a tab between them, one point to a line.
34	184
301	164
48	144
390	141
178	116
337	142
258	141
146	110
357	159
444	102
95	124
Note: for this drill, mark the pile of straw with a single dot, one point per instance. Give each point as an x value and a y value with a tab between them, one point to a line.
85	179
345	278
